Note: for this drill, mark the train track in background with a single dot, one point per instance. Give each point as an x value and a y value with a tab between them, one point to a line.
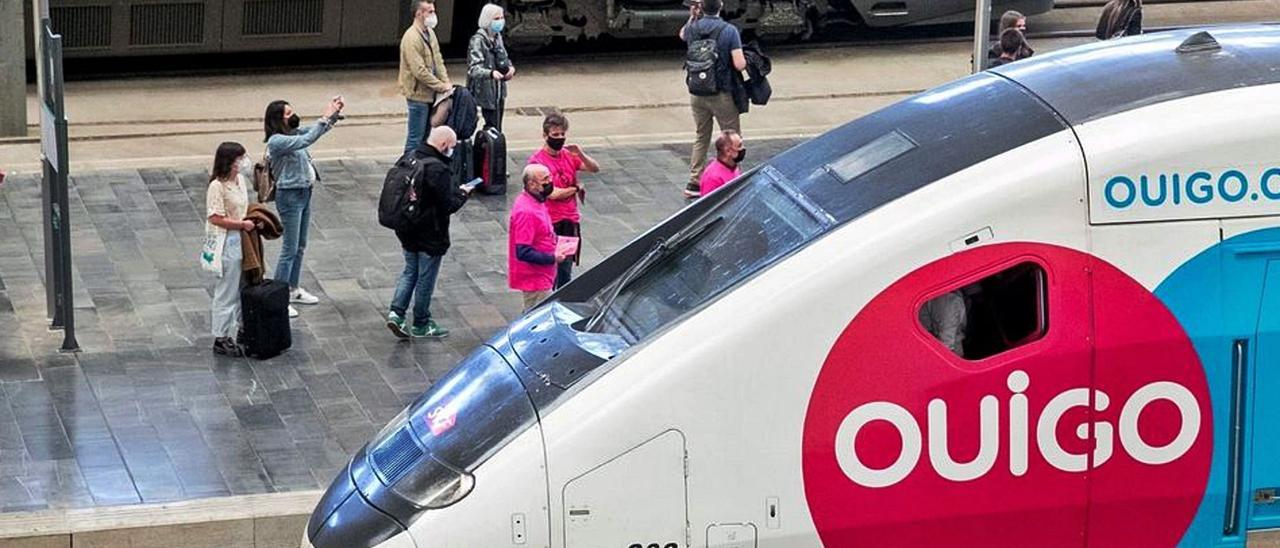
835	36
964	32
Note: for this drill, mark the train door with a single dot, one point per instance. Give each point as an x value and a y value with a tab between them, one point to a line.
637	499
1227	299
1260	416
1250	266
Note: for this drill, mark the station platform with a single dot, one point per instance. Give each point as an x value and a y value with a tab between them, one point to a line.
146	413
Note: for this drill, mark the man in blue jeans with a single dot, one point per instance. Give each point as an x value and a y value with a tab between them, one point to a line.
427	241
423	76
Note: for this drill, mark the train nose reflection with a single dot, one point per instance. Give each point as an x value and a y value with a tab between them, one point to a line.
344	519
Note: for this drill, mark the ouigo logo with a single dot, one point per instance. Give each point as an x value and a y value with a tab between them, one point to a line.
1018	433
1098	431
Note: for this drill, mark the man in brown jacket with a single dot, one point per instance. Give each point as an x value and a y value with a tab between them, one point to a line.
422	73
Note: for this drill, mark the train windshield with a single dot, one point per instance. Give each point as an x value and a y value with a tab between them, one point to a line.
765	219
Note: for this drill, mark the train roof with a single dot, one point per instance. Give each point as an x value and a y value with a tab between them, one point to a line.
1106	78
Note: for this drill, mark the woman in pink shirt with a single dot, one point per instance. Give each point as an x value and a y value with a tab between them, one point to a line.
564	162
532	253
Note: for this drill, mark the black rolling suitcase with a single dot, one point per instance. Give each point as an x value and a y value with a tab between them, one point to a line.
265	308
491	161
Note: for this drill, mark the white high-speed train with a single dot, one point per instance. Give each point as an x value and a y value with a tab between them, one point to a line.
1039	306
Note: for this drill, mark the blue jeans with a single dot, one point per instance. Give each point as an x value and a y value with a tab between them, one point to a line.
418	281
225	306
419	116
294	206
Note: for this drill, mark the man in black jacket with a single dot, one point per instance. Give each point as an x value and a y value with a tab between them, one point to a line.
426	243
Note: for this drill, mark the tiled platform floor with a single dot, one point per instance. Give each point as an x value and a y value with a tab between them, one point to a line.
146	413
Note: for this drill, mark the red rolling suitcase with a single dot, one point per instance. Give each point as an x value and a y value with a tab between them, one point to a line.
491	160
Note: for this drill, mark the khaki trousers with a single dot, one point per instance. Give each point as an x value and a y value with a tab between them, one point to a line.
532	298
720	107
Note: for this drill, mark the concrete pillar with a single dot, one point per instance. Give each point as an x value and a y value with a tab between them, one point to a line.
13	70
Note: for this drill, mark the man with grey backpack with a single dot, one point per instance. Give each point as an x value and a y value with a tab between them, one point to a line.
712	66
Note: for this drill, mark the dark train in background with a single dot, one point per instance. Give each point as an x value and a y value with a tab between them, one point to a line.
123	28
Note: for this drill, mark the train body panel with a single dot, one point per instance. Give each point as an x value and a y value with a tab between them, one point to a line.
510	512
948	322
686	379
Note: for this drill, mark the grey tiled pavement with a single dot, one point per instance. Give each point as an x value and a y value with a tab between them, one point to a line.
146	413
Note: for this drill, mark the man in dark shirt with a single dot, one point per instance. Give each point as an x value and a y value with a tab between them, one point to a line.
1011	43
704	22
427	241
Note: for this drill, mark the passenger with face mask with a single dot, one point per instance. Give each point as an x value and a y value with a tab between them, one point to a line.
1011	20
532	253
729	155
423	79
488	65
226	201
289	149
426	242
563	161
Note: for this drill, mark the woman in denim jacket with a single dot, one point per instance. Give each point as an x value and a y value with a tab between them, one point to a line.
288	147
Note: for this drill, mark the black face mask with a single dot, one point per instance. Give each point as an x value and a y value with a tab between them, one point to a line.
556	143
541	194
742	155
294	121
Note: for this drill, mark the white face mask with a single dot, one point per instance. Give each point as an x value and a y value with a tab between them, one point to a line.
432	21
245	166
448	153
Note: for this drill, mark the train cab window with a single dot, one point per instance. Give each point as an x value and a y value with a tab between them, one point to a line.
870	156
764	220
995	314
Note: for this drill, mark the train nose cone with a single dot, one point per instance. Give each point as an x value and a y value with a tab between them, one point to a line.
344	519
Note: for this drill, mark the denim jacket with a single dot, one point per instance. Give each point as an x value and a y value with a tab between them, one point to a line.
290	157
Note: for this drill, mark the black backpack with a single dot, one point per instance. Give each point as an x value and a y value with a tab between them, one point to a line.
398	206
701	60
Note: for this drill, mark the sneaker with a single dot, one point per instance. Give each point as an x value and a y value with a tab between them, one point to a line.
432	330
396	324
300	296
226	347
692	191
293	312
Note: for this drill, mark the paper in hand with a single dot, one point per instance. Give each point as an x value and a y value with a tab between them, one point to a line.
567	245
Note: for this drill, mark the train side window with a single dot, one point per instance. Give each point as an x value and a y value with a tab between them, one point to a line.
993	315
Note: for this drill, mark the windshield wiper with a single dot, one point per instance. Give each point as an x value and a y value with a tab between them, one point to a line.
661	248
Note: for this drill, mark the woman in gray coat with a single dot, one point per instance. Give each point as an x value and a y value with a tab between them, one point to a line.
489	68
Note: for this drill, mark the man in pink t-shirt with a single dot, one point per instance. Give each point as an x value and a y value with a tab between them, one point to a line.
564	162
532	253
729	154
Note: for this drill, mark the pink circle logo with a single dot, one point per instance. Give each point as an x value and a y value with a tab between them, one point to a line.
1098	430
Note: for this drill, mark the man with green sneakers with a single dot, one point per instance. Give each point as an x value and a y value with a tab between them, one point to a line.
426	242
